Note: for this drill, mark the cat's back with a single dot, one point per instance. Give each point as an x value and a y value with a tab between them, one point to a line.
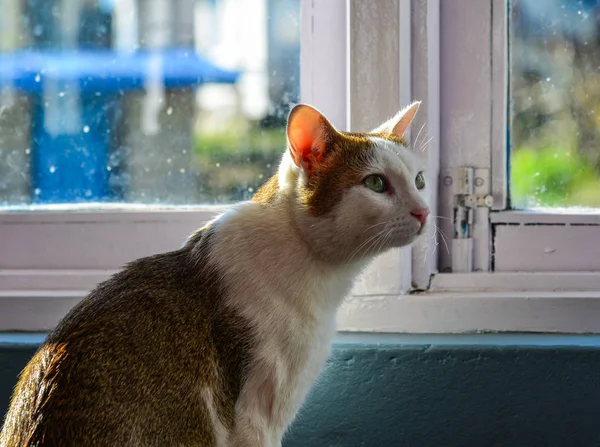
141	361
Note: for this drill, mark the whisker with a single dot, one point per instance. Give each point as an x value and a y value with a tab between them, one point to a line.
369	243
435	246
363	244
422	135
432	237
385	239
373	226
443	217
425	144
419	133
443	238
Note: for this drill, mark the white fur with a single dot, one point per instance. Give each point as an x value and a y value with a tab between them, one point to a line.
287	272
291	300
219	429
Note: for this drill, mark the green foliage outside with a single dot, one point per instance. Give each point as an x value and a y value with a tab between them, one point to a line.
552	176
251	142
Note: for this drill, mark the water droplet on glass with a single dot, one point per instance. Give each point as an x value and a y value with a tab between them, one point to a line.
108	168
37	191
169	160
52	169
86	129
38	30
182	170
218	165
61	94
37	77
28	151
250	189
169	110
547	79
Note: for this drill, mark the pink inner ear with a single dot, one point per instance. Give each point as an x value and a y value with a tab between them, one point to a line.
301	145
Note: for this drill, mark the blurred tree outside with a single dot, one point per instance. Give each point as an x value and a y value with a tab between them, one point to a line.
238	143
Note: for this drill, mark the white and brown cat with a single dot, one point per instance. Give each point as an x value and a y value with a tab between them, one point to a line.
218	343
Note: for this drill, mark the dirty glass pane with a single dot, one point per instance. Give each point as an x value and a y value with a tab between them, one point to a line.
162	102
555	103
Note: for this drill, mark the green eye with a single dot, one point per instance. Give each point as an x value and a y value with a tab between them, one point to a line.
420	181
375	183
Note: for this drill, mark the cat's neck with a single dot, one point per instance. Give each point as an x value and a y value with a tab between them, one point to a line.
261	249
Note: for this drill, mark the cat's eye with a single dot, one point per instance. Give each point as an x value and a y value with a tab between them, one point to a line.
420	181
375	183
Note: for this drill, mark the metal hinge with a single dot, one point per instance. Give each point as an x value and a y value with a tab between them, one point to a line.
470	190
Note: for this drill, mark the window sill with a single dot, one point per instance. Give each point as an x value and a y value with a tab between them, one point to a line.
575	312
565	312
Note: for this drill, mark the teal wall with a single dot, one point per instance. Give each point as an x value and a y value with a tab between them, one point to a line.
435	391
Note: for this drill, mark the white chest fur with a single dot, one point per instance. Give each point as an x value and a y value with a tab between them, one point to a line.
291	301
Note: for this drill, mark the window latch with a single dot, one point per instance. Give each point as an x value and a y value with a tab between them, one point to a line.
471	190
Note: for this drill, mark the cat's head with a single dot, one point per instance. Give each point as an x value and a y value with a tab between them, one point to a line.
355	195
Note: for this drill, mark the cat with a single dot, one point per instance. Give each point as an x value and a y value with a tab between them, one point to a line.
217	343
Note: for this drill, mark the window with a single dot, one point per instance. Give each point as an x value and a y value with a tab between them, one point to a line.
528	260
554	87
124	126
511	153
186	112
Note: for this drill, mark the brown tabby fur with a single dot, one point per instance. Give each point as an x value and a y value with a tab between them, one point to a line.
116	371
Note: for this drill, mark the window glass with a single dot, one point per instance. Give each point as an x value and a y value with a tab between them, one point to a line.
162	102
555	103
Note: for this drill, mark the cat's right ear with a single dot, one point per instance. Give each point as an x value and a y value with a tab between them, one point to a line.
397	125
309	134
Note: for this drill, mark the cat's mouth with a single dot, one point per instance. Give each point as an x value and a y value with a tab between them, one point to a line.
422	228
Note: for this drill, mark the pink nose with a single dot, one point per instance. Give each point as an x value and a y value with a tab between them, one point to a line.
421	214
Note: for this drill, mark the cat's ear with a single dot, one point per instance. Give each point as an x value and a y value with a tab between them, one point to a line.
397	125
309	134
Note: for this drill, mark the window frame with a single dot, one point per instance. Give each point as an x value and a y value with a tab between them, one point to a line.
500	231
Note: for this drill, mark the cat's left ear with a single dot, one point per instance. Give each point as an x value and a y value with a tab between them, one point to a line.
397	125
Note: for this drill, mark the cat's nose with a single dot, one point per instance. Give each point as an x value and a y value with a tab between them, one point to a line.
421	214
